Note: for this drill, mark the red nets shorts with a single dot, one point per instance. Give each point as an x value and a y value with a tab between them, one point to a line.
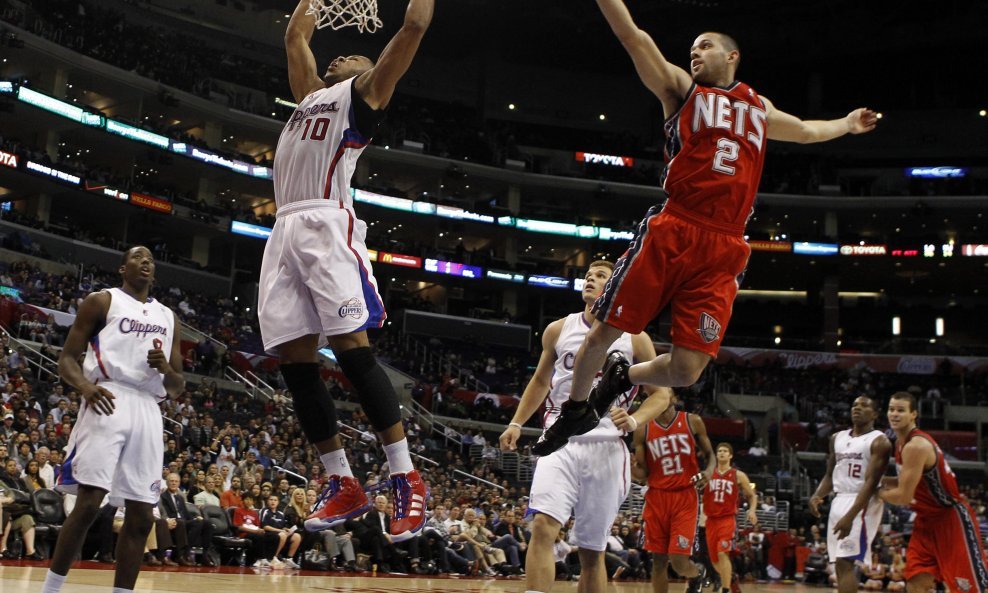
675	262
670	520
721	532
948	546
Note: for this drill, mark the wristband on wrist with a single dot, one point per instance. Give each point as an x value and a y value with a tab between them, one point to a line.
514	424
634	422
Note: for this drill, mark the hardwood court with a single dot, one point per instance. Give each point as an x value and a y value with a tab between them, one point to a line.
90	577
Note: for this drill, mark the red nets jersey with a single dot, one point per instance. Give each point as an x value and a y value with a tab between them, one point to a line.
938	488
720	497
671	454
715	149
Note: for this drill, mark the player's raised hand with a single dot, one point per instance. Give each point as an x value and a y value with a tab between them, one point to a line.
509	438
157	359
99	399
861	120
815	502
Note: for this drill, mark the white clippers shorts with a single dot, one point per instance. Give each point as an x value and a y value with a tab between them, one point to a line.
121	453
857	544
316	276
588	480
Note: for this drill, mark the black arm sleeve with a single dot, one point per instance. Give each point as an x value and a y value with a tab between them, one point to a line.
368	118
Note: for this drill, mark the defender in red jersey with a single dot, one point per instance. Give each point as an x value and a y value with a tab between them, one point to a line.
945	544
690	253
720	503
666	452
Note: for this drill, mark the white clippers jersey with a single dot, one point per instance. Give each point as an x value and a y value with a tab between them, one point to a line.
318	148
853	455
570	339
119	352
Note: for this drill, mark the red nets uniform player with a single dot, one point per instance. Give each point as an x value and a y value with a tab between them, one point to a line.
688	254
945	544
666	454
720	504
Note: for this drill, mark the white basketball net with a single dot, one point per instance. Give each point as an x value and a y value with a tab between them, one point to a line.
345	13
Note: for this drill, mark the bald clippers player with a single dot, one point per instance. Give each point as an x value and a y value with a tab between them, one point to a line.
945	544
132	362
588	478
690	253
316	282
666	452
720	505
858	459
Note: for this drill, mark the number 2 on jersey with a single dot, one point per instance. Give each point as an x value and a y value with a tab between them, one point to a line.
727	152
318	130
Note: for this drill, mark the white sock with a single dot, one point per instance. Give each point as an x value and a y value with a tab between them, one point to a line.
53	582
399	460
336	463
122	590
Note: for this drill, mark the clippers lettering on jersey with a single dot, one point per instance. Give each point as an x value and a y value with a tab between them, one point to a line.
569	361
130	326
674	444
301	114
717	111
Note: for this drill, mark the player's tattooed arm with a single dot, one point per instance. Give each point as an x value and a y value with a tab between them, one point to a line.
88	322
916	456
826	485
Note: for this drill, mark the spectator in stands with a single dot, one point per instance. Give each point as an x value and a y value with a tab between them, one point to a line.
210	495
263	543
45	469
186	530
273	521
16	515
232	498
375	539
32	478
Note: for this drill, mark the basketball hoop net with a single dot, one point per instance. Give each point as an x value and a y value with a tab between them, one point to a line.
345	13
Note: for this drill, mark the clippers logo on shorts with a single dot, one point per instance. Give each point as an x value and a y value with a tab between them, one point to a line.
156	487
684	544
130	326
709	328
352	308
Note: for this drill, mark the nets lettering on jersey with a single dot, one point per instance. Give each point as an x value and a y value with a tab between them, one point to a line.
337	14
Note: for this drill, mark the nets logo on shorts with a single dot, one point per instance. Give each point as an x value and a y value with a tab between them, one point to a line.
709	328
684	544
352	308
963	584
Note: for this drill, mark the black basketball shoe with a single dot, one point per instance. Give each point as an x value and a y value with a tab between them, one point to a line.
613	382
575	418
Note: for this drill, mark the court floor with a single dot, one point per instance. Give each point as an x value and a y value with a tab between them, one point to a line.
92	578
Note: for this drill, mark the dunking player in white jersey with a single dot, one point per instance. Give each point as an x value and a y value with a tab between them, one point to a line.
316	281
116	444
588	478
857	462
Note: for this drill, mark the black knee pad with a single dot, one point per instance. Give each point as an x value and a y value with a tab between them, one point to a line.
313	404
377	395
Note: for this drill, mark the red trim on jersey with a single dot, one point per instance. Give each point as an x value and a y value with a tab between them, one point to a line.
345	143
94	343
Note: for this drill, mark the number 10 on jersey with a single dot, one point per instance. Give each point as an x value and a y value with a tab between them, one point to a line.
318	129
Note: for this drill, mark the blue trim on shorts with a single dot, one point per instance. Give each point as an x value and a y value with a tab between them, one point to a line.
65	477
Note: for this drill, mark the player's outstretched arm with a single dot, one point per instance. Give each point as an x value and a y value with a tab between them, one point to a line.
668	82
878	462
789	128
378	84
826	485
303	75
915	455
537	389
